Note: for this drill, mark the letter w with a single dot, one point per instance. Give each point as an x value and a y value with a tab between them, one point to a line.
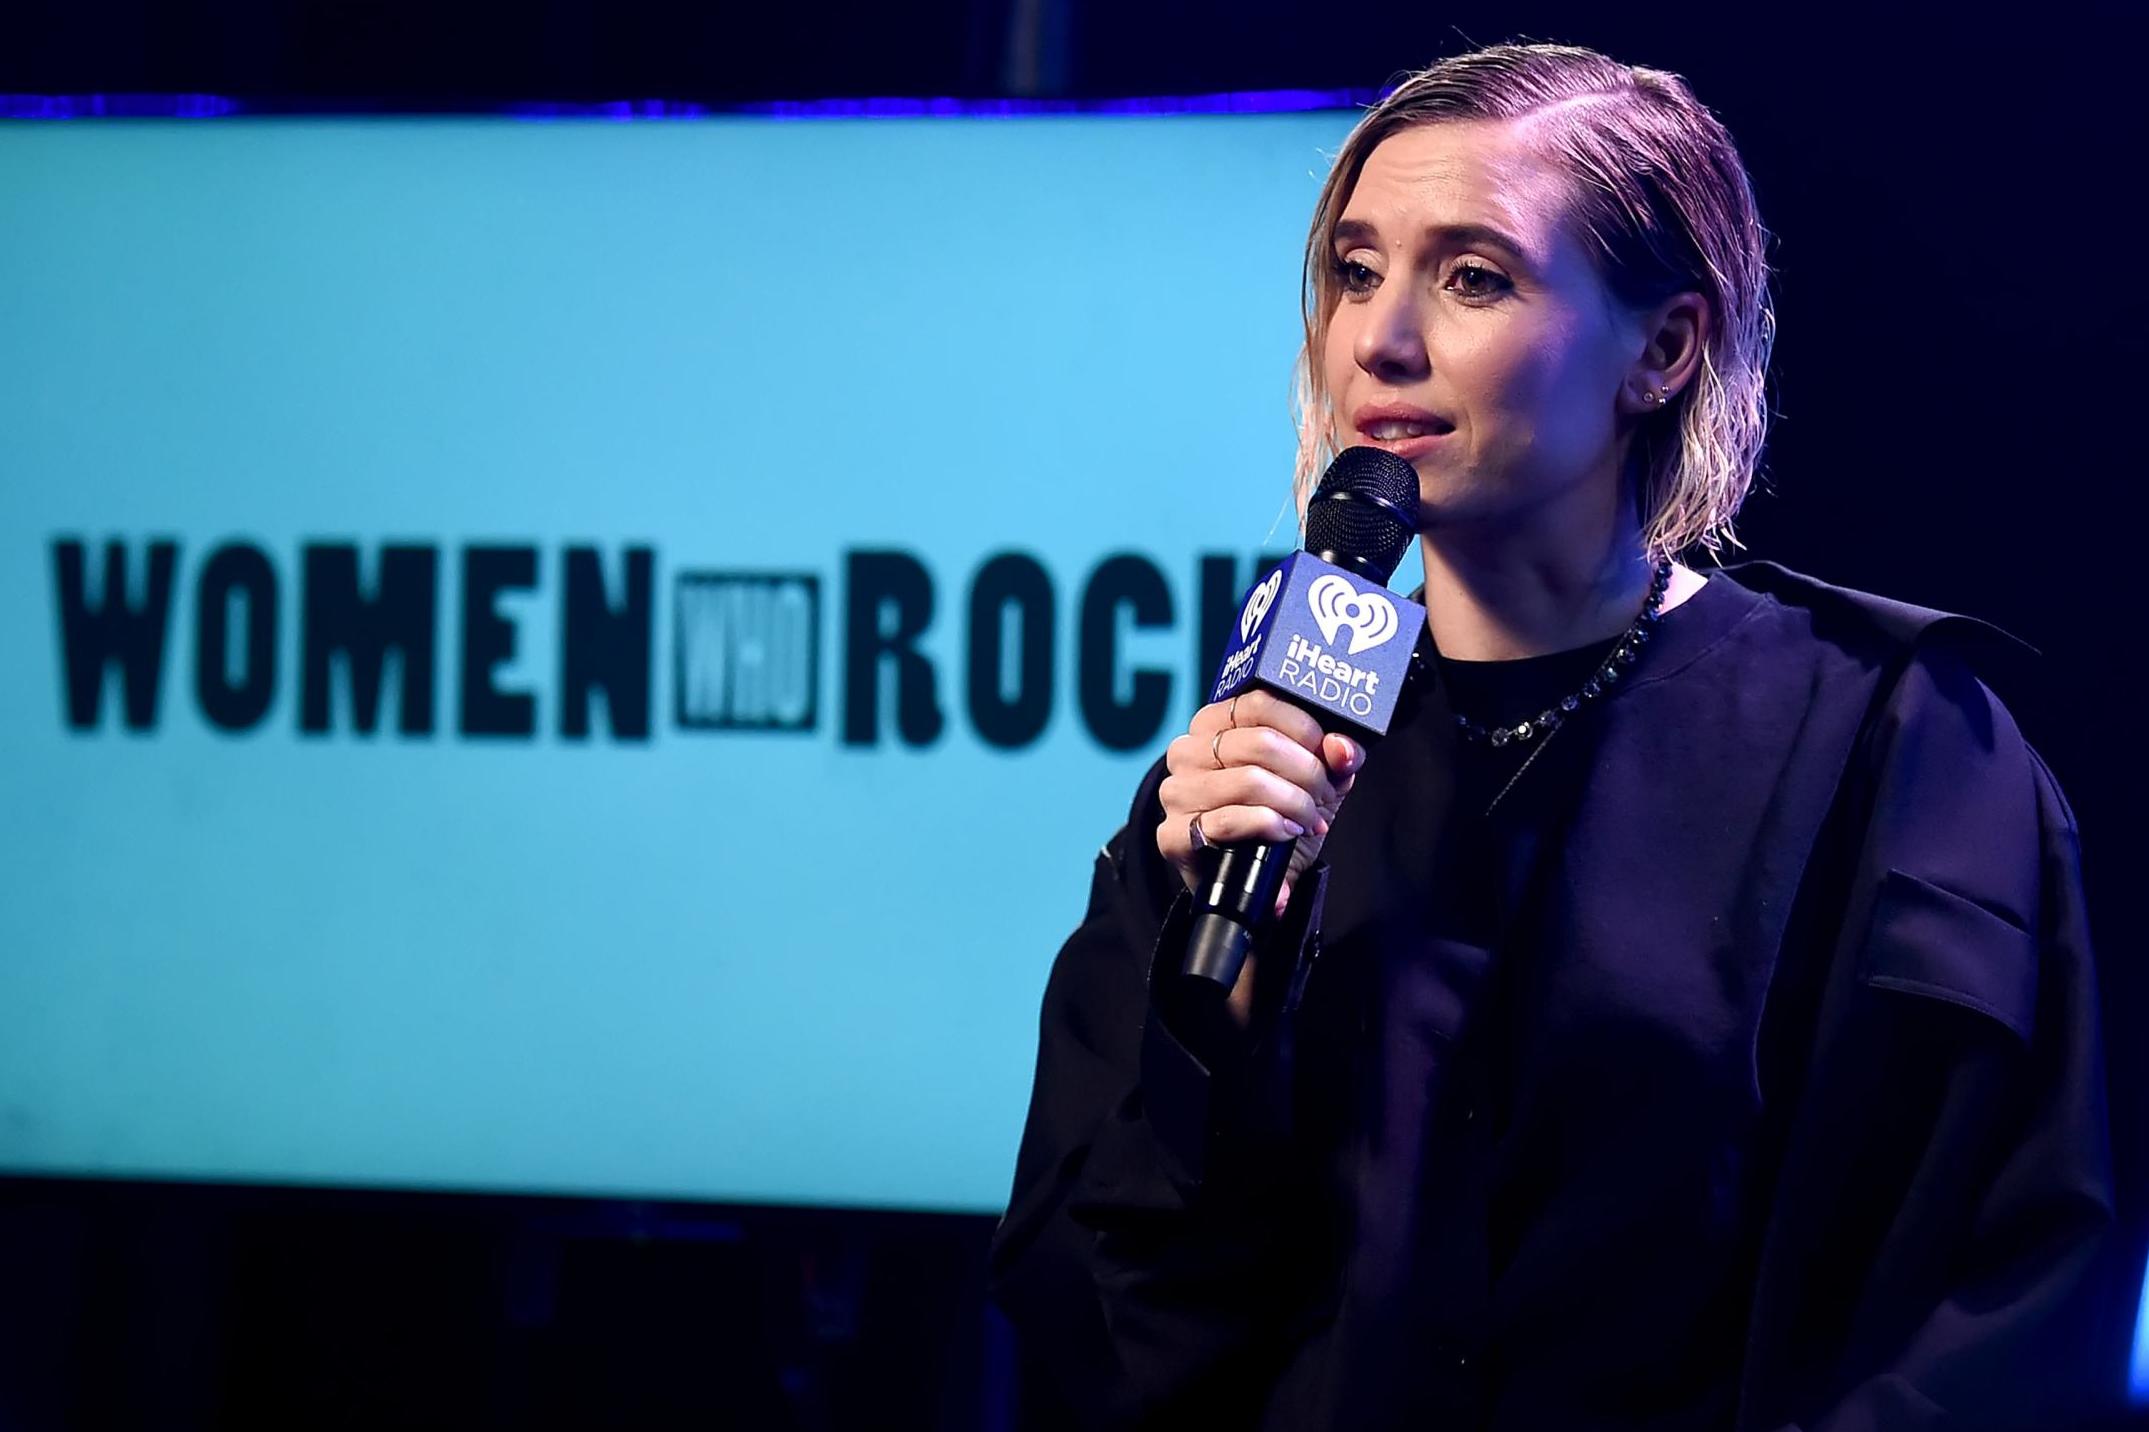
107	630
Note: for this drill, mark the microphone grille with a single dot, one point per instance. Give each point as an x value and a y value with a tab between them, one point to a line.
1364	511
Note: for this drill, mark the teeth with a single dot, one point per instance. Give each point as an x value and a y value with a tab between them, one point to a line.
1390	431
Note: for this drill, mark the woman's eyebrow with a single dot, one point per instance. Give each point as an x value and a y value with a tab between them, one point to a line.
1357	231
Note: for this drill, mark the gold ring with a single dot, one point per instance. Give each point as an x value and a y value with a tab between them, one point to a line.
1213	753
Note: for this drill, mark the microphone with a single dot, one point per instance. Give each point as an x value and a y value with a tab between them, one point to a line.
1322	631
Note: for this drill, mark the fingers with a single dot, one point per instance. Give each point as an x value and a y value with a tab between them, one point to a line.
1254	769
1223	825
1345	758
1226	825
1190	758
1250	785
1258	708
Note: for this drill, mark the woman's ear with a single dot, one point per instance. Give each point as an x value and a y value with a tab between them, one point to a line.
1673	336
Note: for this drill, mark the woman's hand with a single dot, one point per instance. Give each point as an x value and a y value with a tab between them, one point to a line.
1254	768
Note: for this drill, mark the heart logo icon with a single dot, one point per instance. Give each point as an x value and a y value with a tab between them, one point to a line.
1257	604
1337	606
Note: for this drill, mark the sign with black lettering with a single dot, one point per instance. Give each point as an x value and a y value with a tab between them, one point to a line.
599	657
748	651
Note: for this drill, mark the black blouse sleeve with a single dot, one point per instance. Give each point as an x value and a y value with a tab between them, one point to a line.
1932	1254
1146	1246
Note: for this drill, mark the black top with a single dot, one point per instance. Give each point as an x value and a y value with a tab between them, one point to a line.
1502	693
1739	1070
1438	1011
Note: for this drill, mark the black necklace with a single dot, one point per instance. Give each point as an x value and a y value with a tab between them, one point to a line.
1601	682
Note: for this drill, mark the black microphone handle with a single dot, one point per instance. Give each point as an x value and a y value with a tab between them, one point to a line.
1233	898
1360	518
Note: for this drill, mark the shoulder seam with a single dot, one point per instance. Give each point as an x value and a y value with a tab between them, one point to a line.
2050	782
1766	601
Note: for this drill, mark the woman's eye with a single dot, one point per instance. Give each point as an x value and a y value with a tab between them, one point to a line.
1477	281
1355	277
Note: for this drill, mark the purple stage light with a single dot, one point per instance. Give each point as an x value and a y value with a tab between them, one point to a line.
117	106
211	106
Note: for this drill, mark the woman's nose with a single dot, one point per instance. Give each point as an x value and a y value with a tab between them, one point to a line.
1391	345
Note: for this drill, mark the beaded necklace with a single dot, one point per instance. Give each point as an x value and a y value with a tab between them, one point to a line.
1600	683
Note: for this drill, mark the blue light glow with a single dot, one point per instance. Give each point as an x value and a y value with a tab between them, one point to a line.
609	109
1294	101
116	106
2138	1375
541	966
211	106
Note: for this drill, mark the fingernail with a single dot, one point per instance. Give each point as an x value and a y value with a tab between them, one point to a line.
1295	828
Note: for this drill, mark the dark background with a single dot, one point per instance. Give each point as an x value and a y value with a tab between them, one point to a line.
1961	295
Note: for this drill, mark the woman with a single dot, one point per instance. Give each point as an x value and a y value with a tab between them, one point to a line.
1682	1019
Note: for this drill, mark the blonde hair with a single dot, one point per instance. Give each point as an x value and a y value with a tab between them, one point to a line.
1662	204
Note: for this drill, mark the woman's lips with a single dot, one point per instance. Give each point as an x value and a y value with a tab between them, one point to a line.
1411	448
1405	429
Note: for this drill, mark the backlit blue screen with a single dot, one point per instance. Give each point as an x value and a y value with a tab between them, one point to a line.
596	657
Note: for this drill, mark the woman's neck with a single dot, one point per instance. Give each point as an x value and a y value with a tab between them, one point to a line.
1489	598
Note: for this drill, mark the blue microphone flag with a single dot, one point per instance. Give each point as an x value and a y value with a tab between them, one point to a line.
1326	639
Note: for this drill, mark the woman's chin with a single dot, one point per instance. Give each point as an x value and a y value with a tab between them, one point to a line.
1445	502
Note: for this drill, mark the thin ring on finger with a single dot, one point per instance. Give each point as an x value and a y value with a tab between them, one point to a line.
1214	755
1194	835
1231	714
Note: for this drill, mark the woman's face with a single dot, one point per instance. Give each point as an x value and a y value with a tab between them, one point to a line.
1472	336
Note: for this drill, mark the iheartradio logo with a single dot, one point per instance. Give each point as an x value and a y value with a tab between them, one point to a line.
1337	606
1258	602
